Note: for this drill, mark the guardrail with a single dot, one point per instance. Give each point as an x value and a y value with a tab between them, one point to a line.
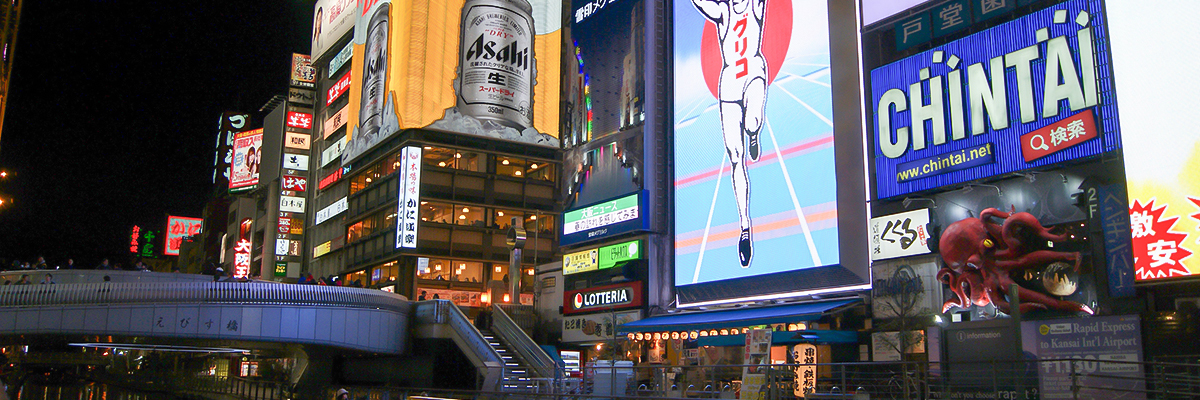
195	292
468	337
1013	379
522	344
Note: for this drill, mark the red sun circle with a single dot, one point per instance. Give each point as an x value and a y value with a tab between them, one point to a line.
777	26
578	300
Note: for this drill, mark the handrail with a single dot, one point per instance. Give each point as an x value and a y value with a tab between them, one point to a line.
62	276
506	329
193	292
446	312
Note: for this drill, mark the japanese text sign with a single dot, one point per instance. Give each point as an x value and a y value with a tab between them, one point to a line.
900	235
408	213
299	120
294	183
177	229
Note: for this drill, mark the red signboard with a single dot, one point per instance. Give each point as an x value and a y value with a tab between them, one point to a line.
330	179
133	239
241	259
338	89
604	298
177	229
1058	136
296	183
299	120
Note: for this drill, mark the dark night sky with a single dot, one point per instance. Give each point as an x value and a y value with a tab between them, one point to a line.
113	113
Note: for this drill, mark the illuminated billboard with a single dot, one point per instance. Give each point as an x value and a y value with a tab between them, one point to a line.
759	212
604	91
1162	159
247	153
605	219
177	229
331	20
405	75
409	199
230	124
1027	93
303	73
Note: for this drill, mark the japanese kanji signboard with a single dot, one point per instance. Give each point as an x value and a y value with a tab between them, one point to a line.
177	229
408	213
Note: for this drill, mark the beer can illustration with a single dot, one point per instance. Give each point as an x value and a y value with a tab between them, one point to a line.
496	64
374	90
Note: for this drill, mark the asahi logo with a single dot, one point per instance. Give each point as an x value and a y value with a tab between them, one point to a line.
508	54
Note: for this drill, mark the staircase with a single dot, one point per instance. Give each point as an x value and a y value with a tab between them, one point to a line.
516	372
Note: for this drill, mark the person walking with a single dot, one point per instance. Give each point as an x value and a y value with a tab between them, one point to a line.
70	264
104	265
24	280
48	280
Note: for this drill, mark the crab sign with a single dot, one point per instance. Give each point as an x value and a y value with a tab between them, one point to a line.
981	257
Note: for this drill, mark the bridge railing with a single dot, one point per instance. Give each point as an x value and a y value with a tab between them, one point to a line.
196	292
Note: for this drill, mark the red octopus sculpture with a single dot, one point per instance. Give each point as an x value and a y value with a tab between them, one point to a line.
981	257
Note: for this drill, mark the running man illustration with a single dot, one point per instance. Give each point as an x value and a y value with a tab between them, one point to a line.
742	92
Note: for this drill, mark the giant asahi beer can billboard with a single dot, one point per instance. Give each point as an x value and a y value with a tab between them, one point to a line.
461	66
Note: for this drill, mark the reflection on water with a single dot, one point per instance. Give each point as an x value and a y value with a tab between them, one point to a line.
89	391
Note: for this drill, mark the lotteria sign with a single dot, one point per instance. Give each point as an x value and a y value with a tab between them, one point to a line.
604	219
1028	93
604	298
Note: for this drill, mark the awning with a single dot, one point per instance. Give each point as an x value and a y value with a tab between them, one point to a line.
736	318
779	338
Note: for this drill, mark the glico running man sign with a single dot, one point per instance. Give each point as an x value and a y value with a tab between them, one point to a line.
1031	92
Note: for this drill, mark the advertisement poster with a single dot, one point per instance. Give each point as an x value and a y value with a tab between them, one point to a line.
604	96
247	150
595	327
331	20
756	192
1027	93
177	229
460	298
756	357
1162	163
303	73
481	68
1108	351
230	124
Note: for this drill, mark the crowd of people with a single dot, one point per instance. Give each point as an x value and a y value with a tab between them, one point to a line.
219	272
69	263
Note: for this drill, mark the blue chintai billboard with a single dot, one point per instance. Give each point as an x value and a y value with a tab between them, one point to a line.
1028	93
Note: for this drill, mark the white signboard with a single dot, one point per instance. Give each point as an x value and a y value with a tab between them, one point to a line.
331	20
900	235
408	213
340	59
291	204
333	152
332	210
297	162
595	327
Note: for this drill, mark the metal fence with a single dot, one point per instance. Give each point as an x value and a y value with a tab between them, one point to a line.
1019	379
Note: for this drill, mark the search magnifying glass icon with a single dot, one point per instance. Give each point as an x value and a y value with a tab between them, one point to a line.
1038	139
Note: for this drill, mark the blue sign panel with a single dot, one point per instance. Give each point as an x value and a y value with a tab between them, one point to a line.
1037	89
1108	350
1118	249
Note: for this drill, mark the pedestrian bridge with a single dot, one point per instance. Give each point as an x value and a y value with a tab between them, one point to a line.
167	305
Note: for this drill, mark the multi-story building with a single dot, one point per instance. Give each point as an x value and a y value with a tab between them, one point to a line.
10	20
